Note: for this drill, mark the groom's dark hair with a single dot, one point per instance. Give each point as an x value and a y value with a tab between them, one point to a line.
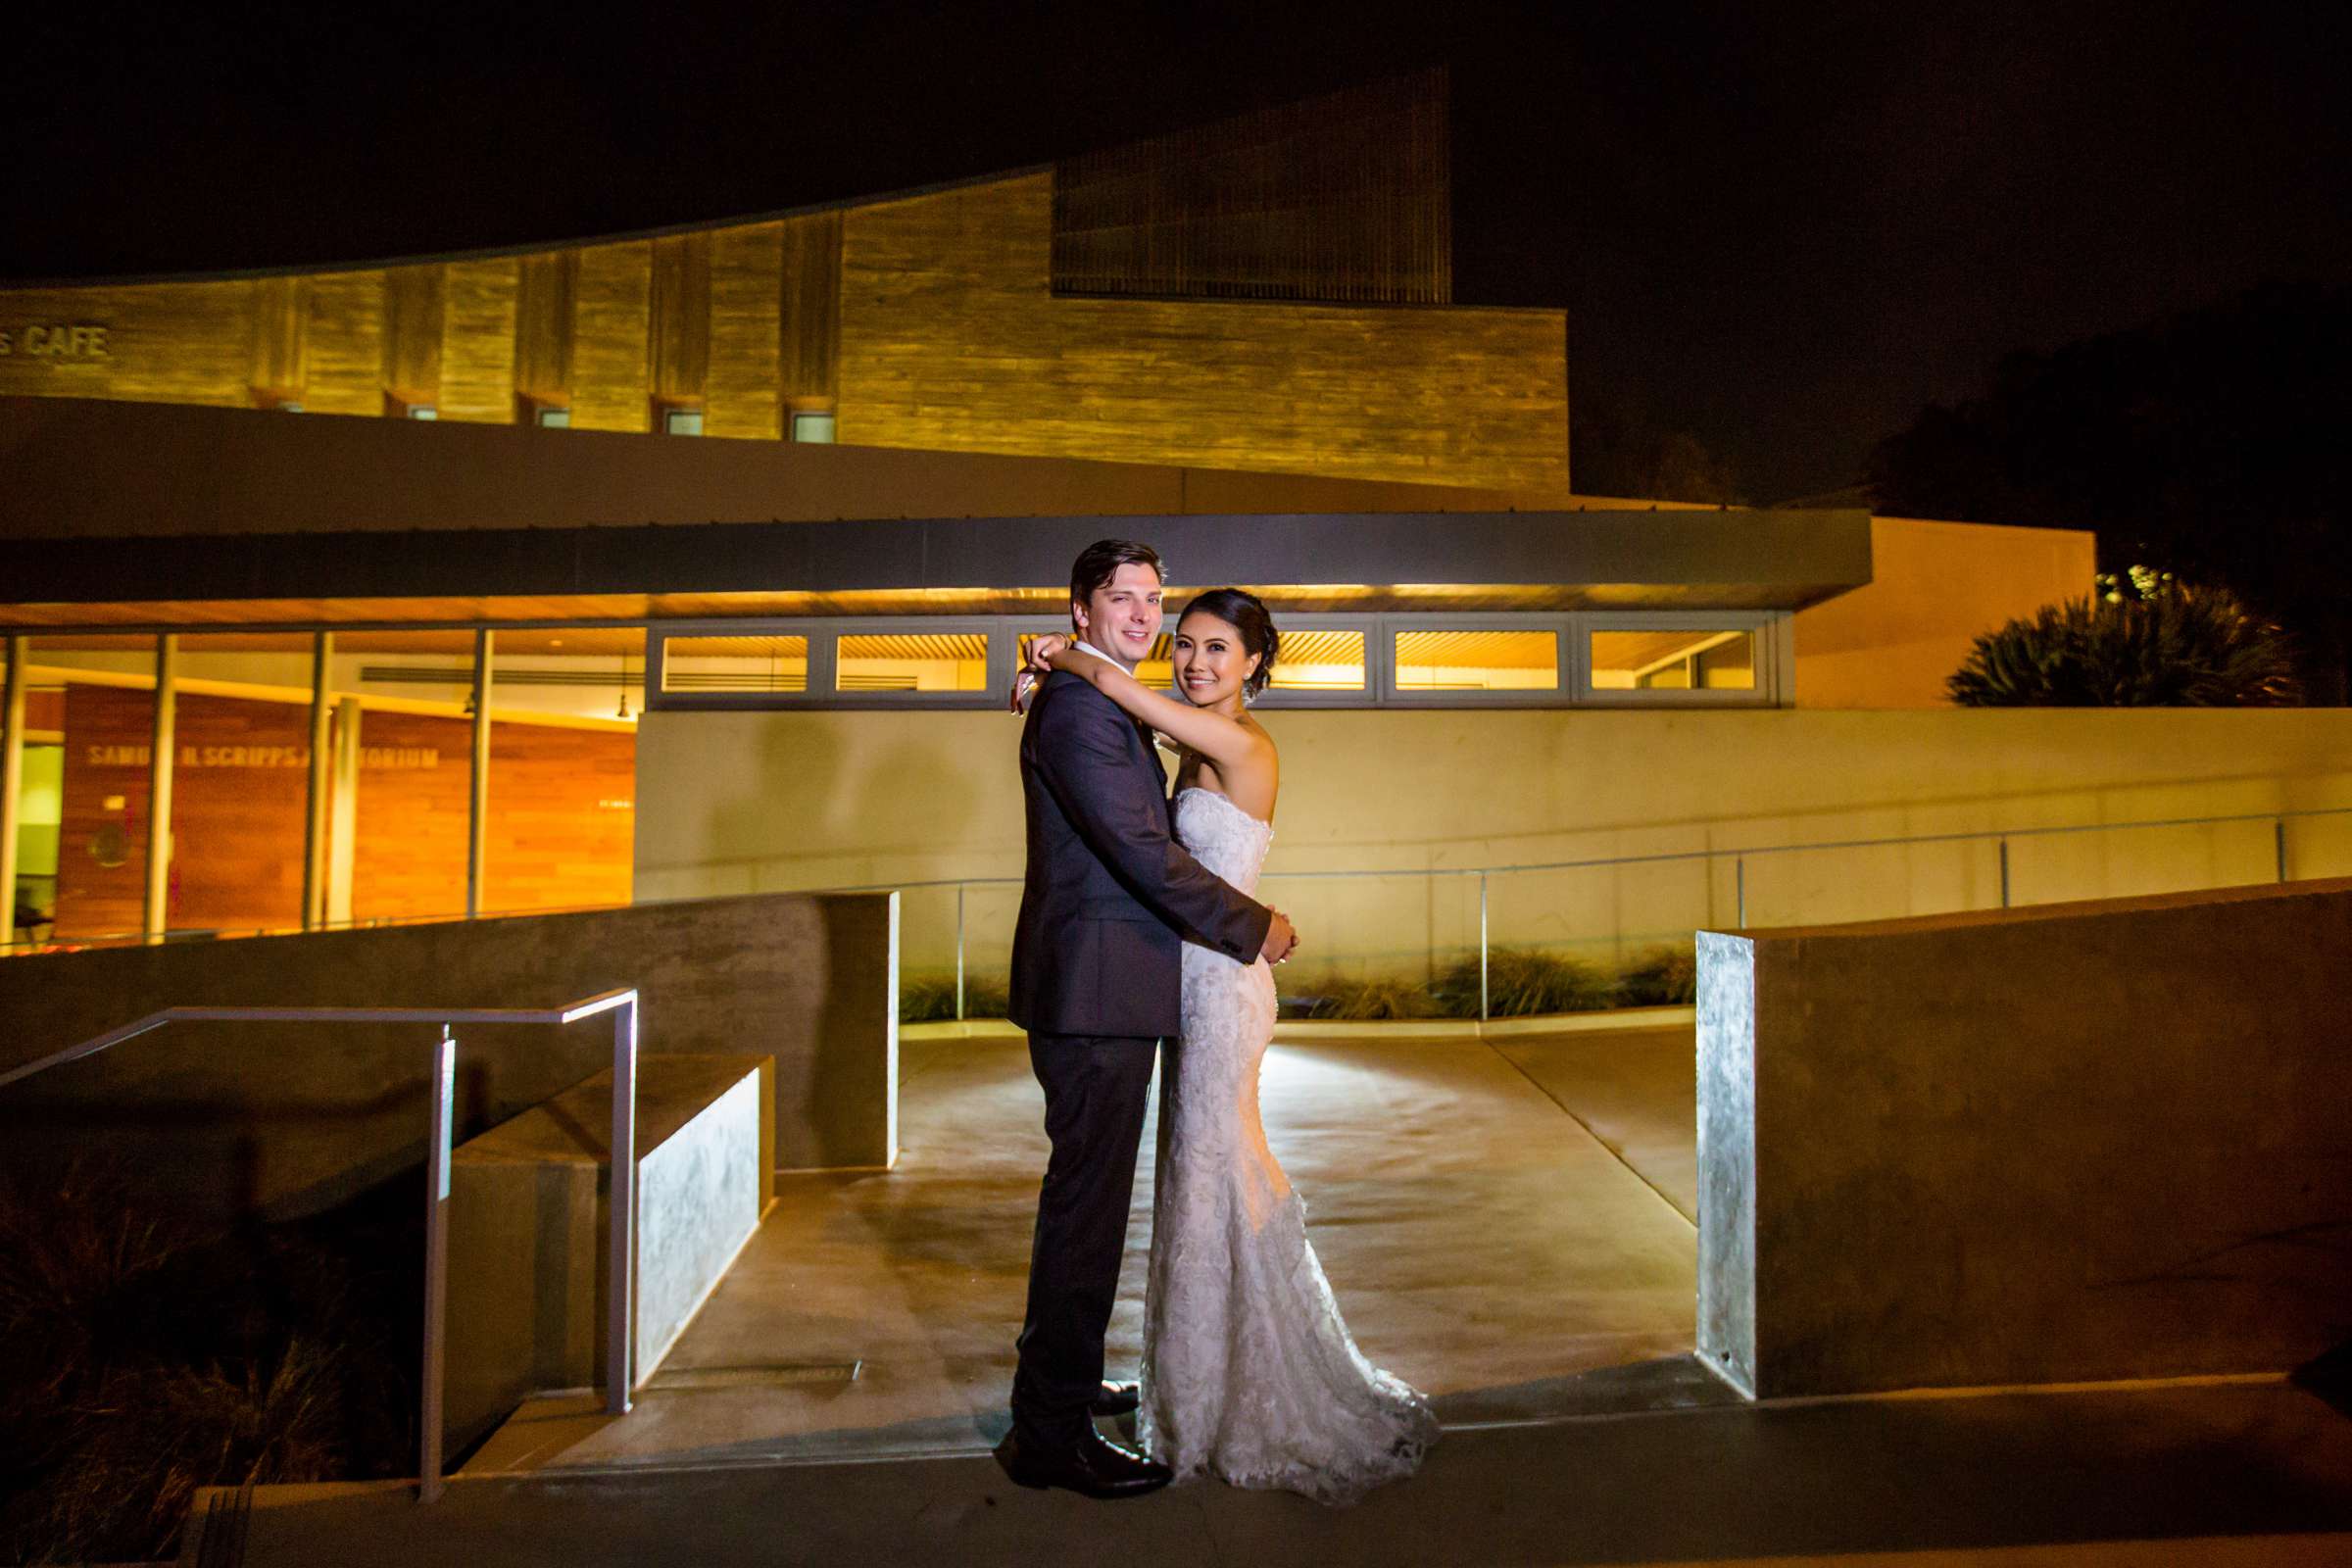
1101	562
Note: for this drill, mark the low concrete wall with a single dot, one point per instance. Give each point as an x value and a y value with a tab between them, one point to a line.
284	1120
763	802
527	1219
2090	1141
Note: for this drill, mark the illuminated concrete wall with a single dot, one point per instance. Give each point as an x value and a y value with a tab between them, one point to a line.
2099	1141
952	340
737	803
925	323
1935	588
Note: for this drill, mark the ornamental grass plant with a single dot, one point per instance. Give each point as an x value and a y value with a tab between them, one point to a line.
144	1355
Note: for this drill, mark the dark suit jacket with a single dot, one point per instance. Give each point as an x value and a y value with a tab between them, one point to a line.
1109	897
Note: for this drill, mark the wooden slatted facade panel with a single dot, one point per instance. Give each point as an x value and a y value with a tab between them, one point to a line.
281	338
477	341
1343	198
952	339
347	344
811	312
742	390
611	388
679	319
412	333
543	322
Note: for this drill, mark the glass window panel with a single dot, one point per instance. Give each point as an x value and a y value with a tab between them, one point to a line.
95	694
563	801
555	418
913	661
1674	661
1478	661
812	427
735	663
1319	660
400	774
240	789
1155	669
681	422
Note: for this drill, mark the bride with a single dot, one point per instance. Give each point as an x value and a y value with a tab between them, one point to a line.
1249	1372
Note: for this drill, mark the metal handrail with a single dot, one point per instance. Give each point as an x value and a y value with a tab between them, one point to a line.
621	1229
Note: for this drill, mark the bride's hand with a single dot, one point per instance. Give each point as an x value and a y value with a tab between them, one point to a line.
1042	650
1024	687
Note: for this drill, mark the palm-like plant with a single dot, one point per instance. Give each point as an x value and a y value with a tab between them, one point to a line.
2146	641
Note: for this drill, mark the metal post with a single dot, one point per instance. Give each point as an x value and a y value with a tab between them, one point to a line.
1482	947
436	1264
1739	891
12	782
477	811
620	1266
959	953
2278	844
158	911
314	820
2004	873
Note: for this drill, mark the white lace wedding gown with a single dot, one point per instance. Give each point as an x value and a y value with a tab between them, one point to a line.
1249	1374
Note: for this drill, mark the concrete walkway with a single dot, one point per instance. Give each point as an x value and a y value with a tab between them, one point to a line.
2227	1474
1483	1244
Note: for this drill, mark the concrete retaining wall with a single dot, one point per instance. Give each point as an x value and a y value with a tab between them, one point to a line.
763	802
527	1219
283	1119
2090	1141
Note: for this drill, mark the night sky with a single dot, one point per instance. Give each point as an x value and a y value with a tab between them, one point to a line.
1779	228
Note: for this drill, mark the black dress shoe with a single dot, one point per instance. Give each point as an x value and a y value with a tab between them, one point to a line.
1117	1399
1091	1465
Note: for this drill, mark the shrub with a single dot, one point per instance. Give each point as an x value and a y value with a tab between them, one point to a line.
1377	997
931	997
148	1354
1525	981
1659	977
2153	644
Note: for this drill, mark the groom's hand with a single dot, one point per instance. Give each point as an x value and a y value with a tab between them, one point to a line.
1280	939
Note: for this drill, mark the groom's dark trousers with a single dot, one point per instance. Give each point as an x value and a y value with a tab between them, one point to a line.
1108	900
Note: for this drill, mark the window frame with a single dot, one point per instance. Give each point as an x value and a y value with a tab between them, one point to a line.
1767	628
1772	630
1558	695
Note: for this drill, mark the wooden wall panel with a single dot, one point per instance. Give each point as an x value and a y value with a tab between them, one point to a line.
678	329
741	391
103	815
609	387
347	344
413	311
952	340
410	827
477	341
543	325
812	296
563	816
281	339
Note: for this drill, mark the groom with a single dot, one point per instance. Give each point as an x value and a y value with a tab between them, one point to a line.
1108	900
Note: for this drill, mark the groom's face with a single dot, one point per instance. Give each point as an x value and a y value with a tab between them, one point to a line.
1122	617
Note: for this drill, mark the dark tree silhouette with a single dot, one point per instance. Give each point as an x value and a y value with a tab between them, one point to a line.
2212	445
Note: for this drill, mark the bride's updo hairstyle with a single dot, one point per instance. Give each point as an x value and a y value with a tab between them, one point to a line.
1246	613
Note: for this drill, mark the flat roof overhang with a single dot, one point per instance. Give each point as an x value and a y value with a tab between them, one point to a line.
124	515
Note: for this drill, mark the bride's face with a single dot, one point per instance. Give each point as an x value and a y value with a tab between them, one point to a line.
1211	662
